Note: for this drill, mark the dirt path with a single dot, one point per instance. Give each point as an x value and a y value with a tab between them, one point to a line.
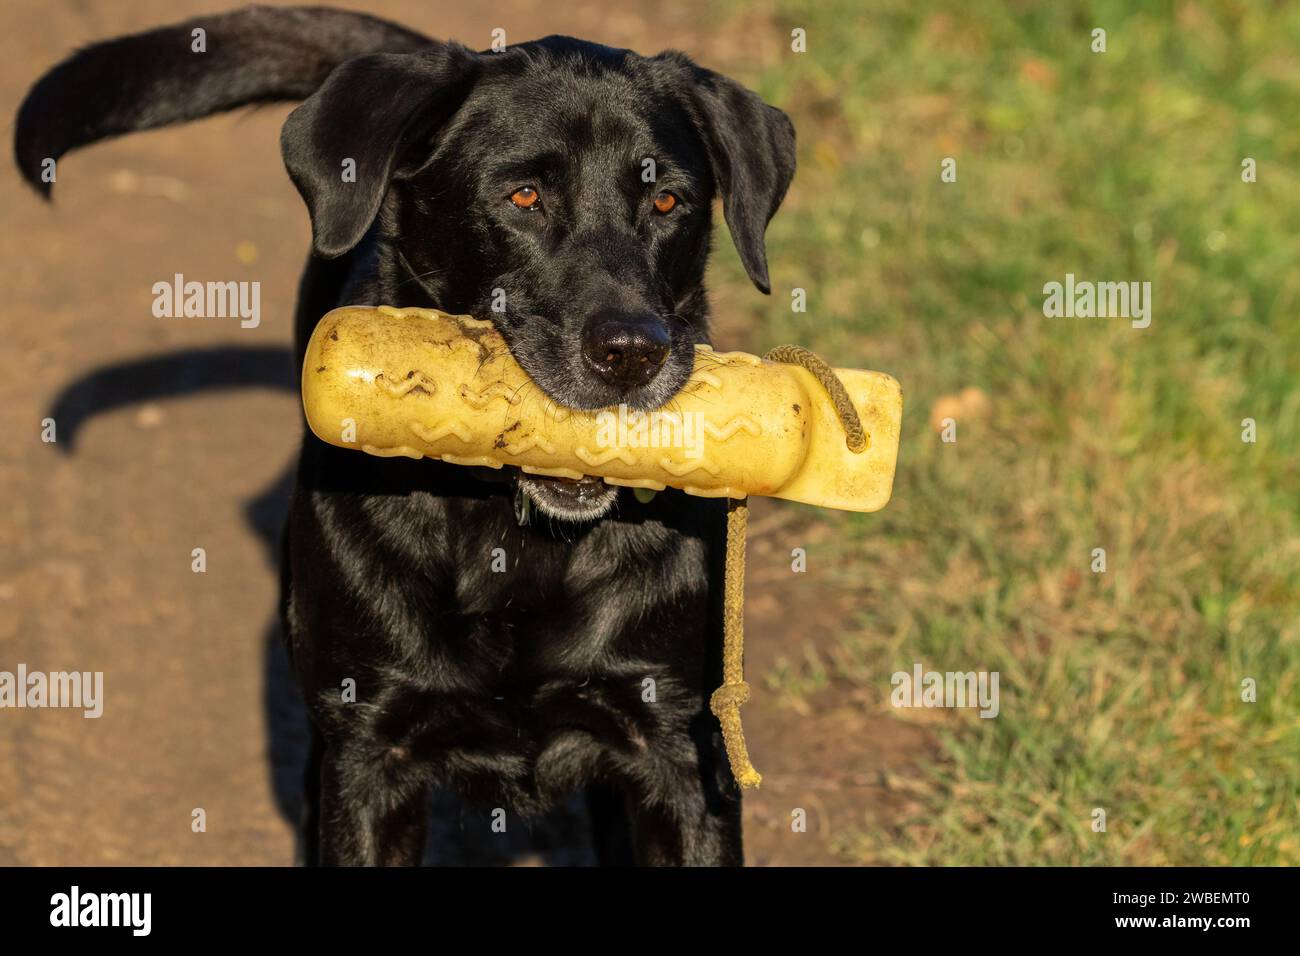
98	529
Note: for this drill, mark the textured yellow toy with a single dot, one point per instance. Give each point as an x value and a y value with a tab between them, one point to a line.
421	383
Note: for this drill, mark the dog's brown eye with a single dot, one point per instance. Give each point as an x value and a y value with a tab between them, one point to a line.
525	198
665	202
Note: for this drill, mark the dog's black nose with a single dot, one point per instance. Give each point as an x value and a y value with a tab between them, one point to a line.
625	349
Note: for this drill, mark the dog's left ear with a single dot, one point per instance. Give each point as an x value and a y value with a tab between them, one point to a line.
348	140
752	151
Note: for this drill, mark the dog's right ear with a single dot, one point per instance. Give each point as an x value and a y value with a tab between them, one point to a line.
345	143
751	148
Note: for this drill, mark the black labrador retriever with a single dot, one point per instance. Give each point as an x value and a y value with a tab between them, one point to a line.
562	189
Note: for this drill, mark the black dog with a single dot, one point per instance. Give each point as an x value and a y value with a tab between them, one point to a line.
570	183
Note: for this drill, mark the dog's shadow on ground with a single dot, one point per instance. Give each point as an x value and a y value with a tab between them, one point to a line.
458	835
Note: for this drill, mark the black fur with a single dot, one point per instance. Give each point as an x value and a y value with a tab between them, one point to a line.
514	688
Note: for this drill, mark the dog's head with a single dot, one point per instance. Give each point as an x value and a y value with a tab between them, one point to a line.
560	188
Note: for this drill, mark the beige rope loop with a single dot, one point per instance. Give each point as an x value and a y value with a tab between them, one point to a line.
726	700
854	435
729	695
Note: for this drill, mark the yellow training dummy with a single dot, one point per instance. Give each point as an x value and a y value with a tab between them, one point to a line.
422	383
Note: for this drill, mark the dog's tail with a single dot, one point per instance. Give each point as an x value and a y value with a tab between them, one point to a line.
177	73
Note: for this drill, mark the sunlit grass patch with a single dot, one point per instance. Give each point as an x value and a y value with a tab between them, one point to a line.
1120	690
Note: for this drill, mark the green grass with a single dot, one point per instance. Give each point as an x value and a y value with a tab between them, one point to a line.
1119	690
